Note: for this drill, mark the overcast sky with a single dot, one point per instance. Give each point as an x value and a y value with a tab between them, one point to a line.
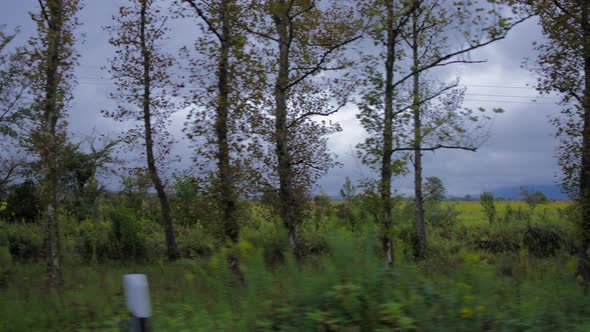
519	151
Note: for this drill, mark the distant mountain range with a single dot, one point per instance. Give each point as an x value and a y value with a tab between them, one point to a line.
551	191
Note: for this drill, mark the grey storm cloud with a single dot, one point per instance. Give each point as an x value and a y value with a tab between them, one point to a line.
520	149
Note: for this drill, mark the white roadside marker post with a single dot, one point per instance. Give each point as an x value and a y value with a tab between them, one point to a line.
137	297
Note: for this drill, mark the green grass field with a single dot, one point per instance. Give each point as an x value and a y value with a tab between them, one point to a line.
471	212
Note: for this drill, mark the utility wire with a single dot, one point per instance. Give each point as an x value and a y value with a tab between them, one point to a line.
509	96
508	102
88	80
84	77
105	83
497	86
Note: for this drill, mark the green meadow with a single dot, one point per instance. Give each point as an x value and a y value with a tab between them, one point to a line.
477	276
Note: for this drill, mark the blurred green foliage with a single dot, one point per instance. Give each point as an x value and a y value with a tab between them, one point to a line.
517	274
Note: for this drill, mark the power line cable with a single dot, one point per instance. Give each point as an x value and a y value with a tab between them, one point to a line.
463	85
88	80
497	86
509	96
508	102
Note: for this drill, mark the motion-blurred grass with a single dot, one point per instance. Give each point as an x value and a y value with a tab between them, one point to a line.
476	277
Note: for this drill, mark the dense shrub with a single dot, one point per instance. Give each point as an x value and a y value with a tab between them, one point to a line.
544	240
24	241
126	237
518	214
494	238
268	234
488	206
190	204
499	242
22	203
313	243
508	214
441	215
322	210
195	241
94	243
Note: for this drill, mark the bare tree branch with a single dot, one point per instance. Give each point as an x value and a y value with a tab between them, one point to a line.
441	61
308	114
459	61
44	12
406	16
322	60
305	163
562	8
321	68
159	29
13	103
291	3
11	167
202	15
571	92
303	11
429	98
437	147
260	34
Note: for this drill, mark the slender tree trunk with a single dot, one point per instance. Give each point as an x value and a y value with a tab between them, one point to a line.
149	143
55	26
287	202
584	259
227	191
386	169
419	201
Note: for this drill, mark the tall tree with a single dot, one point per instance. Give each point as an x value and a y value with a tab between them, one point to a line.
141	70
377	105
222	104
438	120
301	40
563	66
53	58
382	106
